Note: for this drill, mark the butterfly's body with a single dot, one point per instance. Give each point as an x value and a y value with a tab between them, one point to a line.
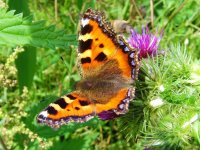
108	68
102	83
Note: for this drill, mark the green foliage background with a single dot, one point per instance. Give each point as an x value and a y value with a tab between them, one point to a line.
172	125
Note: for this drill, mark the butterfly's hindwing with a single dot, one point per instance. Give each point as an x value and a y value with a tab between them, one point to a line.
72	107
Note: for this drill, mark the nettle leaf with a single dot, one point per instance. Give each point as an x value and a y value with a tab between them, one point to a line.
26	67
16	30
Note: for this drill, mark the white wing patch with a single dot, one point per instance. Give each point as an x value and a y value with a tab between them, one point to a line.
44	114
84	22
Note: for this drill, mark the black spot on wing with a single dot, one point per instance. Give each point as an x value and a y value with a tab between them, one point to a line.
101	57
77	108
71	97
84	45
85	60
84	103
61	102
51	110
101	46
86	29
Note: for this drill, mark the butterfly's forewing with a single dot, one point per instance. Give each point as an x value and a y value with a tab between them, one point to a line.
98	43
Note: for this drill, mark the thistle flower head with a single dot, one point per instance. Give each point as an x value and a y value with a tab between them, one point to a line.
147	43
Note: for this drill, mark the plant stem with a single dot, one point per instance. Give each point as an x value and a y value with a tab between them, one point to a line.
174	14
3	144
56	9
136	8
152	13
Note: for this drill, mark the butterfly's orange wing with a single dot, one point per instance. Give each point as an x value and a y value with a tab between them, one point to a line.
116	106
98	43
72	107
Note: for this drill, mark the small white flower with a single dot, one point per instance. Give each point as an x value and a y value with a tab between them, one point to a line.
156	102
186	42
195	75
161	88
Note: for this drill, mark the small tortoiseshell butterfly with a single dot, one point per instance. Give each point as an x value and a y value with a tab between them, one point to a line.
109	67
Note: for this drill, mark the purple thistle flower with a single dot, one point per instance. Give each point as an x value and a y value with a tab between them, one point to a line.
146	43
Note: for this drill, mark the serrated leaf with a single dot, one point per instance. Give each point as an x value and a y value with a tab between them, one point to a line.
10	13
21	6
26	61
28	19
16	30
51	28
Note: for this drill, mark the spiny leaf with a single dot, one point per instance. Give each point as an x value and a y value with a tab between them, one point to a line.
16	30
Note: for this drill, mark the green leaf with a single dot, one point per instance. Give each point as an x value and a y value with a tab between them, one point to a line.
26	67
18	138
90	4
79	4
20	6
16	30
78	143
21	138
26	61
